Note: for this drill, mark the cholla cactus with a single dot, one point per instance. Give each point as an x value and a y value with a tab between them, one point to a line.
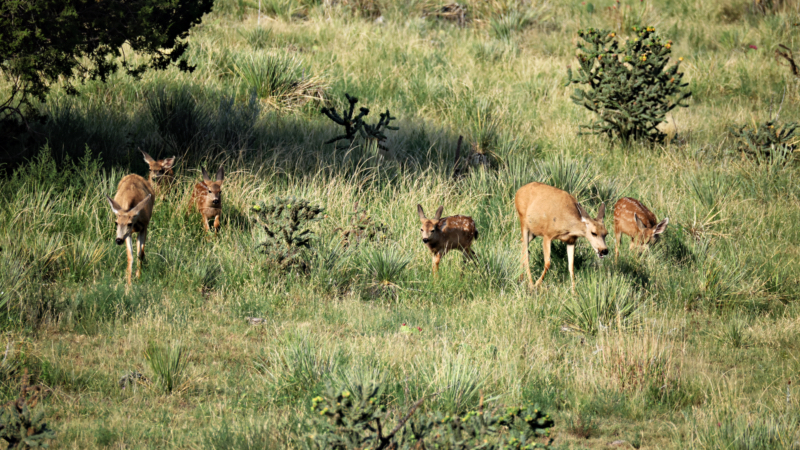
353	125
20	427
767	140
629	84
354	419
286	222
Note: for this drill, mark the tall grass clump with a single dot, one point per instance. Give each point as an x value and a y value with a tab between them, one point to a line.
167	364
298	369
572	176
279	79
384	269
602	301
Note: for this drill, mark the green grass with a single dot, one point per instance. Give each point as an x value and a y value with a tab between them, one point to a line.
689	345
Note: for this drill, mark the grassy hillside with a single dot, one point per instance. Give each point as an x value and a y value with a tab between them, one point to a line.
706	356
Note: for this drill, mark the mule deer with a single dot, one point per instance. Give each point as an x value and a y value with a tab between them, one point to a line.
161	175
207	198
555	214
633	219
444	234
133	207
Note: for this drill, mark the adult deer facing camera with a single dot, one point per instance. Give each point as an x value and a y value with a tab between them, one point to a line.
555	214
207	198
441	235
161	175
133	207
633	219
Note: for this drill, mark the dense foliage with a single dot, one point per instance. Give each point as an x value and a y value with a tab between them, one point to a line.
629	84
43	41
346	420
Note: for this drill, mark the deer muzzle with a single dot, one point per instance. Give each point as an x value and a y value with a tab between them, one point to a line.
119	241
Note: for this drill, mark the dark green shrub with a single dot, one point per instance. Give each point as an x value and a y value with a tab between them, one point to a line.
20	426
628	83
769	141
286	222
360	419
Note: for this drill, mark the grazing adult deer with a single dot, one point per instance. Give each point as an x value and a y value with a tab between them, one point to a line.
633	219
207	198
161	175
444	234
133	207
555	214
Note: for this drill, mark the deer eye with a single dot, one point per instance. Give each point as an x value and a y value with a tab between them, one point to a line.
594	234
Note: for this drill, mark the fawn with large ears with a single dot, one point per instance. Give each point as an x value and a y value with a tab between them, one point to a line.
133	207
555	214
633	219
161	175
441	235
207	198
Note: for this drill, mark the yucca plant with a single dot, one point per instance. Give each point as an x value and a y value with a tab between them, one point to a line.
567	174
167	364
384	269
279	79
603	300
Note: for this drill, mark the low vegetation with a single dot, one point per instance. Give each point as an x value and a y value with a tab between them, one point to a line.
318	283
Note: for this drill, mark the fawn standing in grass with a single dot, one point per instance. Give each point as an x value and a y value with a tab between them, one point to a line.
133	206
161	175
555	214
444	234
633	219
207	198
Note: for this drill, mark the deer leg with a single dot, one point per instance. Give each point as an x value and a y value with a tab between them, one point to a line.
571	261
140	241
526	264
436	258
216	223
618	240
546	250
205	221
130	257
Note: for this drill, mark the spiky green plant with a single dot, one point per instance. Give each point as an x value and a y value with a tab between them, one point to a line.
770	141
354	126
602	301
358	417
628	84
286	222
167	364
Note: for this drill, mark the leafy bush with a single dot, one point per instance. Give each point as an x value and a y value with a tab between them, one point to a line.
344	420
629	84
769	141
286	221
603	300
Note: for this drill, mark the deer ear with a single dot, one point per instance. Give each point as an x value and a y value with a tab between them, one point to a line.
421	212
220	174
439	213
639	222
662	226
168	163
601	212
581	212
147	158
114	205
138	208
206	178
